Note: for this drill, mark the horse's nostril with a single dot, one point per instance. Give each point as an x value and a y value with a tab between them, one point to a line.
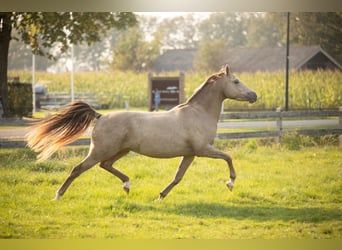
252	97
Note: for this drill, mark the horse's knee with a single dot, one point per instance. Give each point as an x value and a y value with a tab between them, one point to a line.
106	164
229	160
103	164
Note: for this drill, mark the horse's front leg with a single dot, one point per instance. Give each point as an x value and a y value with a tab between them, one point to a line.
183	166
211	152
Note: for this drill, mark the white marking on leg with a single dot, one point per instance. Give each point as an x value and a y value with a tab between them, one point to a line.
57	197
126	186
230	184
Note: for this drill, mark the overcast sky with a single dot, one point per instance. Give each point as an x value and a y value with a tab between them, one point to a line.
164	15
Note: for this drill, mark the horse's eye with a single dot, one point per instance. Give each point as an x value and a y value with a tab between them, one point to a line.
236	81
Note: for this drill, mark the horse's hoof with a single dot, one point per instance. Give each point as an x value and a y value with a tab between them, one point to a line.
230	185
161	196
126	187
158	200
56	198
126	190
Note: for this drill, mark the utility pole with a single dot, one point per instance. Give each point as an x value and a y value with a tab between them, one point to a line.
72	74
287	63
34	82
72	65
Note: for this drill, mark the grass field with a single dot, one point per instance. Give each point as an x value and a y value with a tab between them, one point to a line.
279	193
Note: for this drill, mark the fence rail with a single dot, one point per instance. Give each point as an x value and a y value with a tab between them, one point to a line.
55	100
278	116
279	113
270	116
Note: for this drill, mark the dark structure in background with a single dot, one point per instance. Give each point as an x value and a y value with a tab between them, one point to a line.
20	99
165	92
253	59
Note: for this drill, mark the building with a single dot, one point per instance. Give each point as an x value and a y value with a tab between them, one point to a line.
253	59
175	60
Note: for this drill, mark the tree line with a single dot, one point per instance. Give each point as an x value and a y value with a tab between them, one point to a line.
126	41
45	31
135	47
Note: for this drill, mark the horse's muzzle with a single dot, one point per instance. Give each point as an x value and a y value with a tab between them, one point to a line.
252	97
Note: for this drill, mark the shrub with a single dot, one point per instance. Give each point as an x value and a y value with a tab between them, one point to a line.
295	141
20	99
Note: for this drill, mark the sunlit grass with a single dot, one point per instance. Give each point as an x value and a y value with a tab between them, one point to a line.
279	193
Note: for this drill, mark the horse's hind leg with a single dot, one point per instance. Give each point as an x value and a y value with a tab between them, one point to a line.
108	165
86	164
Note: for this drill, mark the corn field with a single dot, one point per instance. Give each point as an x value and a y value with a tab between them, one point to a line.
307	89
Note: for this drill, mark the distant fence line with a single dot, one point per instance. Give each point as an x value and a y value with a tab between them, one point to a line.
55	100
278	115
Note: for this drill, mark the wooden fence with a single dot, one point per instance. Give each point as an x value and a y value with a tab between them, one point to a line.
278	117
55	100
273	116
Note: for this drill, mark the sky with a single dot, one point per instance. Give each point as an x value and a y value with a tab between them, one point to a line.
164	15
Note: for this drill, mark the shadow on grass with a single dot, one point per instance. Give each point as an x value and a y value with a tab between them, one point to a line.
240	212
258	213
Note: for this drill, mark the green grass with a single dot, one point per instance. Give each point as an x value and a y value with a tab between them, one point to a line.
279	193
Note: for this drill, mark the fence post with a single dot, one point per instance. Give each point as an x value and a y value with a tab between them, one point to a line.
181	87
340	123
222	111
149	93
279	125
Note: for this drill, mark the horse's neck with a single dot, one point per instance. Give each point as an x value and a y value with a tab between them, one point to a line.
210	101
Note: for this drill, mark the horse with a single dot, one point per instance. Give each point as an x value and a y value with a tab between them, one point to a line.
187	130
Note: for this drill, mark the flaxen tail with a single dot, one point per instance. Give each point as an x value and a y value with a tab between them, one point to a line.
62	128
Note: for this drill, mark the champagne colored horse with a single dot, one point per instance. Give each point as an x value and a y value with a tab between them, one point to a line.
187	130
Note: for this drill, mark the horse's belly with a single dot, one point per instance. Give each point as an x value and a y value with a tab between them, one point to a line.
162	147
164	153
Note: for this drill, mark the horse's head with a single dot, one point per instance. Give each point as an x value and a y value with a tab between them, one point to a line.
235	89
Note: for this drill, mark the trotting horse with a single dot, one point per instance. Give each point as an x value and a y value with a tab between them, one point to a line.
187	130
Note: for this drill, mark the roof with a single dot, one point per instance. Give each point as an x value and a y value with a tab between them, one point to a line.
273	59
252	59
175	60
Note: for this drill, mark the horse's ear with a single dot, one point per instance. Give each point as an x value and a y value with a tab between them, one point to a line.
227	70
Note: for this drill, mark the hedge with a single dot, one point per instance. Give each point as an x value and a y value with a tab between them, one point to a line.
20	99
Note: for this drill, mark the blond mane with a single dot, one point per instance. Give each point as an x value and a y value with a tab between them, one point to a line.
210	80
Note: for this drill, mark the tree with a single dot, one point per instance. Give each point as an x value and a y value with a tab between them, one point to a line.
230	27
125	50
311	28
20	57
210	55
318	28
42	30
180	32
262	31
133	52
